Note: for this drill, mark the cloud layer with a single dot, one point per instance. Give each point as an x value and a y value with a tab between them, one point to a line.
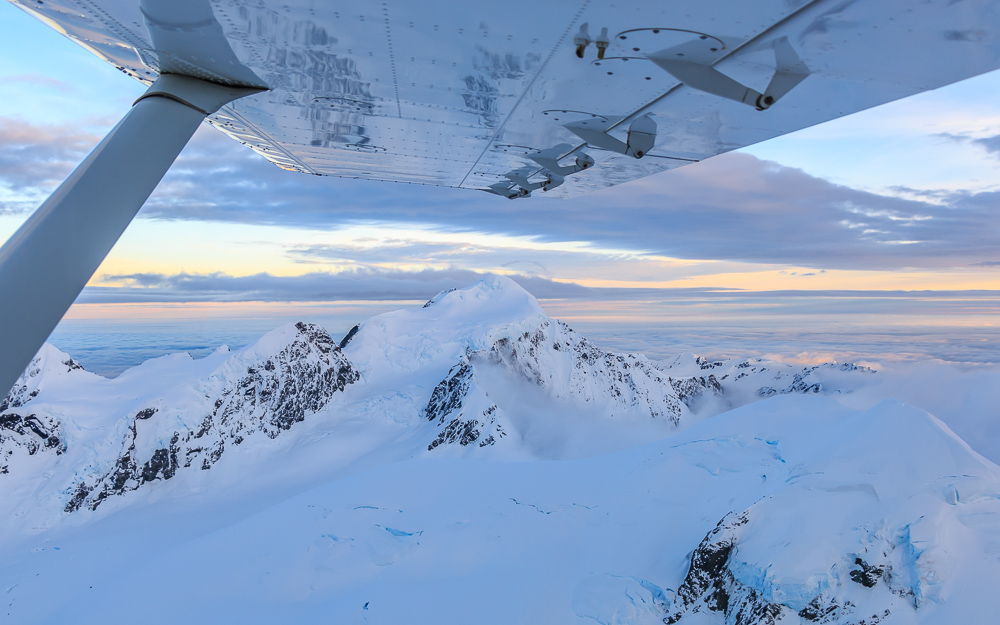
381	285
733	207
359	284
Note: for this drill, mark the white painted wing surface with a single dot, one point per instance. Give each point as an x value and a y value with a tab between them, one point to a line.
484	95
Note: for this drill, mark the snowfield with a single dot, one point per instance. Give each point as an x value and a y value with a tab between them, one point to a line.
475	461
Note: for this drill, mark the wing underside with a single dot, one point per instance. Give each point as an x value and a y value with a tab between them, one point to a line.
512	96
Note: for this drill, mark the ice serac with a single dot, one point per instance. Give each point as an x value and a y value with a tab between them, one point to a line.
262	391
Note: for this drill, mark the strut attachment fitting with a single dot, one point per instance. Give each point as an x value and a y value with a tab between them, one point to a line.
692	64
640	140
550	163
518	184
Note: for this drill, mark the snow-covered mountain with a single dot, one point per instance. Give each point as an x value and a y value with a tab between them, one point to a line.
472	440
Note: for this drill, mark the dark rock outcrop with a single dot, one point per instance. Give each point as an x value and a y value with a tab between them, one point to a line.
274	394
24	431
629	380
710	584
462	424
27	434
554	357
690	390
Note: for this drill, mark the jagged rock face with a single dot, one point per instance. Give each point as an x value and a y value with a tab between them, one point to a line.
545	355
569	367
278	392
689	390
273	395
801	382
459	413
22	430
27	435
710	584
713	583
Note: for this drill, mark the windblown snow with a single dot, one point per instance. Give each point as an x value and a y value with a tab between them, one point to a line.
474	461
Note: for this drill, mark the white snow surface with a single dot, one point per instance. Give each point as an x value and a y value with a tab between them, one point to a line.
474	461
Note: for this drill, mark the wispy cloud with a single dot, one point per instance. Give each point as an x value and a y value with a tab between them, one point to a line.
990	144
35	159
378	284
40	80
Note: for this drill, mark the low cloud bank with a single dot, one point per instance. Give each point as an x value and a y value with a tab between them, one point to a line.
359	284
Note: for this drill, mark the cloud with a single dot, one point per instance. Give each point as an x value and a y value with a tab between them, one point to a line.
366	283
44	81
733	207
991	144
398	250
35	159
355	284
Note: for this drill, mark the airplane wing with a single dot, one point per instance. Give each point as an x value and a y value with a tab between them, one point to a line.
512	97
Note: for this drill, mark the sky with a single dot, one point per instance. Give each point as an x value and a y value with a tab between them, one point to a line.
886	214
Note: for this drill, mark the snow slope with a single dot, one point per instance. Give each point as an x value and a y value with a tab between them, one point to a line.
476	461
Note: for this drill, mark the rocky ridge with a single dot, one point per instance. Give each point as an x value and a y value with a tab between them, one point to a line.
272	395
264	390
712	583
23	431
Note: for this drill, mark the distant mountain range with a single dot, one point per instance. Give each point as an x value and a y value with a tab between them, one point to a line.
685	490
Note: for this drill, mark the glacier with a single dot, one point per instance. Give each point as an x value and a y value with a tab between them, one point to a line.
474	460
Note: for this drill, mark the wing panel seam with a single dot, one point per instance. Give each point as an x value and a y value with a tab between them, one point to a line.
527	89
263	135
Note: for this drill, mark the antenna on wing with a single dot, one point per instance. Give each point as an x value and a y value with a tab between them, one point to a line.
581	40
602	42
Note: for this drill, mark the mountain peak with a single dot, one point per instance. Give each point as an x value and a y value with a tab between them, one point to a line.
493	291
450	324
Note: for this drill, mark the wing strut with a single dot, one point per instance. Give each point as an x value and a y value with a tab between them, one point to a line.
47	262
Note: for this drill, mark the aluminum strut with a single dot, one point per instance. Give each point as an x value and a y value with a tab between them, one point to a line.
47	262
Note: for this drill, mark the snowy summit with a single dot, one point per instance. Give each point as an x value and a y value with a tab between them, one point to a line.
474	461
